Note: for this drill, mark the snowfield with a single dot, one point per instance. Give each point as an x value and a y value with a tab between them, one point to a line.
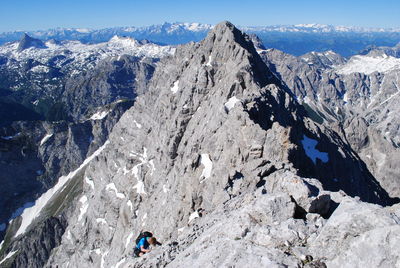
80	54
369	64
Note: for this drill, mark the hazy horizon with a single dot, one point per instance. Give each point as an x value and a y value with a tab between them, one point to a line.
24	15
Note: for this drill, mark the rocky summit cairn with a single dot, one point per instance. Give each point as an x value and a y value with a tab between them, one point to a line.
224	166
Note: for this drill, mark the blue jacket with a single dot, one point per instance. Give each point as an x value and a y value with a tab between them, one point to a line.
143	242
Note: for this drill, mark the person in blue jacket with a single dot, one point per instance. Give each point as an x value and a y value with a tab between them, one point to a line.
143	246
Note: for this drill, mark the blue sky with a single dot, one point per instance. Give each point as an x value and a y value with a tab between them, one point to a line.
45	14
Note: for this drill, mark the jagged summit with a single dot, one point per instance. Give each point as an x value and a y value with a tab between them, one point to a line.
215	148
27	42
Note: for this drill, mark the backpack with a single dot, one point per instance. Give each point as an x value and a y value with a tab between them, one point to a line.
141	235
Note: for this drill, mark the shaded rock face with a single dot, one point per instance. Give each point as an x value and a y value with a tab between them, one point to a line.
211	159
80	93
361	107
36	246
68	80
124	77
38	153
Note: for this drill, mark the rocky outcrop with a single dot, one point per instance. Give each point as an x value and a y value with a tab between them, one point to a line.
361	107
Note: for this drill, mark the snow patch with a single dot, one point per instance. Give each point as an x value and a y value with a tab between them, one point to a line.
9	255
111	187
128	239
311	152
69	236
165	189
130	205
119	263
99	115
45	138
137	124
135	170
231	103
84	207
29	214
209	61
207	163
193	216
40	69
20	210
97	251
175	87
101	220
181	229
102	259
369	64
90	182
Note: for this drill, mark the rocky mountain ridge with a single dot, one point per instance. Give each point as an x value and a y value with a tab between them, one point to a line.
48	80
358	97
59	101
222	162
294	39
215	131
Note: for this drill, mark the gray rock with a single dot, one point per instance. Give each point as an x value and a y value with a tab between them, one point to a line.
211	159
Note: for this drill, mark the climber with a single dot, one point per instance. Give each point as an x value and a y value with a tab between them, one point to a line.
143	243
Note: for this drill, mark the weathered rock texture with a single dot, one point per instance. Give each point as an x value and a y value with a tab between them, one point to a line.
361	107
216	160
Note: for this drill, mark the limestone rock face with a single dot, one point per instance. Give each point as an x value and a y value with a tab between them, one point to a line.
358	98
359	234
222	164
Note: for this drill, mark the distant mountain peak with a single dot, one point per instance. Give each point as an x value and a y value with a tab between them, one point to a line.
27	42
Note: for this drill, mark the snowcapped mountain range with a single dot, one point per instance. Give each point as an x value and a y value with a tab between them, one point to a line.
79	52
294	39
225	138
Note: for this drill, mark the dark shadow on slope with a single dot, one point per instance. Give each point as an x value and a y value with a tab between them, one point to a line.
343	170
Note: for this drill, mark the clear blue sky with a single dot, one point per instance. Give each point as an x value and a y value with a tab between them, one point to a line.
45	14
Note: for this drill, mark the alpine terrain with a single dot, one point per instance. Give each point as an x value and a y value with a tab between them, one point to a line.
233	155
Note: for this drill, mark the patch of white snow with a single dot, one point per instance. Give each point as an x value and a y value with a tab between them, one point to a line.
130	205
90	182
369	64
165	189
101	220
128	239
137	124
209	61
207	163
175	87
111	187
120	262
193	216
309	146
9	255
231	103
99	115
84	207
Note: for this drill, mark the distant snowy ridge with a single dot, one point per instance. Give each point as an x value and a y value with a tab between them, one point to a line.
114	47
200	27
316	28
369	64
